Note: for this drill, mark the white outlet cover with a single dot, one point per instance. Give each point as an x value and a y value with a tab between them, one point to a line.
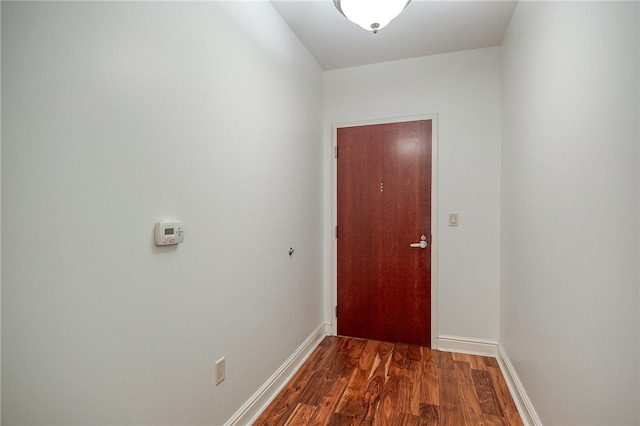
220	373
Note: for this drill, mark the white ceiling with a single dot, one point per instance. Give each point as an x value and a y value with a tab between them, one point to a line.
425	27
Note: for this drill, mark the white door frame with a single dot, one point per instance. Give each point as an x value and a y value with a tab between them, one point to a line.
434	215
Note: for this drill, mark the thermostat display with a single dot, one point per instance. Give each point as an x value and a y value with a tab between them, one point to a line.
168	233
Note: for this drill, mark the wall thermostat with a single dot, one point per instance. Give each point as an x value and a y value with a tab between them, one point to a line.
168	233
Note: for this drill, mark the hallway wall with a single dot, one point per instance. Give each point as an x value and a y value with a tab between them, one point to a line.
116	115
569	252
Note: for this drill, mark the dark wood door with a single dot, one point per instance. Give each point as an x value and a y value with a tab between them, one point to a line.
383	206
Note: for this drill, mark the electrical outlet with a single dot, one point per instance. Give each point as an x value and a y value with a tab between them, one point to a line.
219	371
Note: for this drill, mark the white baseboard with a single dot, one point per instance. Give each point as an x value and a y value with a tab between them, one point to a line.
520	398
467	345
251	409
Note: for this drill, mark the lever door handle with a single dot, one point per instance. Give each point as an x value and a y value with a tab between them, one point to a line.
422	244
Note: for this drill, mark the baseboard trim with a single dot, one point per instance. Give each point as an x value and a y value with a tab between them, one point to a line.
520	398
247	414
467	345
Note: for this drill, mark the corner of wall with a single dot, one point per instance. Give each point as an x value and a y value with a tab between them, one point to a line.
520	398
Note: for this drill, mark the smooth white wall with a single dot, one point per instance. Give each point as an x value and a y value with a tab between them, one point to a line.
0	222
569	299
463	89
118	115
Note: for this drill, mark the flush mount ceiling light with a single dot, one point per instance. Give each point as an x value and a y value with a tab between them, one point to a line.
372	15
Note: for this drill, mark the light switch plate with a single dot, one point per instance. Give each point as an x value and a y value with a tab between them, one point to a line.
453	219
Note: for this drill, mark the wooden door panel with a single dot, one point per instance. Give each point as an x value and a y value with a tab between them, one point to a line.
384	204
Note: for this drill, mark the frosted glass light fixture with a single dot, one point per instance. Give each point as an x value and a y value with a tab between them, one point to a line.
372	15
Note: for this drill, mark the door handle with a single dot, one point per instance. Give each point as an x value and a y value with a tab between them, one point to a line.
422	244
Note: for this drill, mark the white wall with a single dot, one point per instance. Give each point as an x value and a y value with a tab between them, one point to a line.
0	222
569	300
464	90
115	116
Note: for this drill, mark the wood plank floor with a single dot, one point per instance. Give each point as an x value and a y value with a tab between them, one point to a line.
348	381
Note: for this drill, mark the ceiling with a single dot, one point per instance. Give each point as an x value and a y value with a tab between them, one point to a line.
425	27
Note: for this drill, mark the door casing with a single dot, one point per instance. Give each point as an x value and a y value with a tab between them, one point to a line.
434	215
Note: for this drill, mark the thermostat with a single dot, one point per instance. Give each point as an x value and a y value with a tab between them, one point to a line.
168	233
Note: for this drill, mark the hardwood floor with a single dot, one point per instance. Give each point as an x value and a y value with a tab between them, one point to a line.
350	381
